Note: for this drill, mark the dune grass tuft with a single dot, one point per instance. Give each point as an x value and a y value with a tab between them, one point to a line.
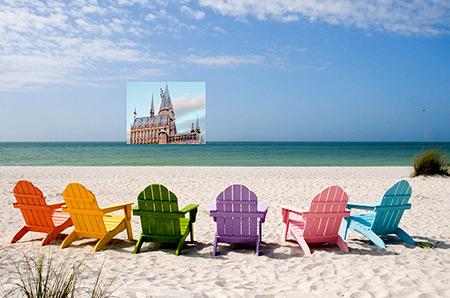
39	276
431	162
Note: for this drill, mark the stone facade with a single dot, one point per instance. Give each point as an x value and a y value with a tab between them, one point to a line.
161	128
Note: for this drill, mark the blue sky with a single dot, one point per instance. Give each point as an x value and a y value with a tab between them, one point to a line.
274	70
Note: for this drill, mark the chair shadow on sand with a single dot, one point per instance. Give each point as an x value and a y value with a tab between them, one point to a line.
38	238
277	251
273	250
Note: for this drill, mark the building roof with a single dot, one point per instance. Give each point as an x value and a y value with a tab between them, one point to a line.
147	120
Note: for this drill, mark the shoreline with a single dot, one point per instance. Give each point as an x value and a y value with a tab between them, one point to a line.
281	269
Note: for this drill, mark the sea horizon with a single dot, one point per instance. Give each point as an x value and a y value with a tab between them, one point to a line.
225	153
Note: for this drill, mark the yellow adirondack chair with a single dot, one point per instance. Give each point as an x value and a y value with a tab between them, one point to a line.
90	221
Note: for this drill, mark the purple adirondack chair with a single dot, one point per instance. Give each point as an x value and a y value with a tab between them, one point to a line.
239	218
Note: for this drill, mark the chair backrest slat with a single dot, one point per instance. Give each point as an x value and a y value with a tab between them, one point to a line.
159	211
79	200
29	196
237	212
391	207
326	212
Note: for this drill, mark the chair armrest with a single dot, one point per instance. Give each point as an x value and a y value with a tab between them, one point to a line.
293	209
116	207
286	210
57	205
125	206
213	208
361	206
192	209
263	208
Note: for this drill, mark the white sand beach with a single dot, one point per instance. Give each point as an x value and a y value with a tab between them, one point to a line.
281	270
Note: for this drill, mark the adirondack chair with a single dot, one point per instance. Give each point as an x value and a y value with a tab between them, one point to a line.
321	223
90	221
238	216
38	216
385	217
160	219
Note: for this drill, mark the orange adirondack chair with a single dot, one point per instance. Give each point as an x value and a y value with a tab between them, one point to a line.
38	216
321	223
90	221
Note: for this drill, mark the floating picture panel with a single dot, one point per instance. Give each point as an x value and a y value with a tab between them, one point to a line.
166	113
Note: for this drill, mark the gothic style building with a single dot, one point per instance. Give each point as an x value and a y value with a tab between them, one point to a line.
161	128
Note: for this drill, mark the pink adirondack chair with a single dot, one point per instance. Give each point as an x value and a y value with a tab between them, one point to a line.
321	223
239	217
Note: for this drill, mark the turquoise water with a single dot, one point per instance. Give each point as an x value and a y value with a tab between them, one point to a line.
215	154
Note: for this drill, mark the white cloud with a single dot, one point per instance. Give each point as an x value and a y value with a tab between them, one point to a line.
221	30
150	17
185	107
70	42
196	14
224	60
419	17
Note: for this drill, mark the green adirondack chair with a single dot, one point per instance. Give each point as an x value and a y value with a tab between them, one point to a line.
161	221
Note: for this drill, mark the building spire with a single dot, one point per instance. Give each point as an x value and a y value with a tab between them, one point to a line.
152	109
135	114
197	126
166	102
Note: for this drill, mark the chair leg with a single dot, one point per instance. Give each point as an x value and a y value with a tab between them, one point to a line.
69	239
56	231
191	228
344	227
129	231
257	245
372	237
20	234
260	229
303	245
342	245
138	246
181	243
215	246
405	237
286	229
103	241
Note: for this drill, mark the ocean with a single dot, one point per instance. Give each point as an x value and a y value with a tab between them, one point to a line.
255	154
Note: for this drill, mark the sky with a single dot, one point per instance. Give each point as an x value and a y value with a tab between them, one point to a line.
280	70
188	101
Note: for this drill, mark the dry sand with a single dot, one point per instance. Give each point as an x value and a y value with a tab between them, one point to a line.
281	269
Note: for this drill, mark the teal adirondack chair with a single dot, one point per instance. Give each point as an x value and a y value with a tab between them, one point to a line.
385	217
161	221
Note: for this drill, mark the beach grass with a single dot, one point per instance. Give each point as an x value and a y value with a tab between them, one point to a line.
41	276
430	162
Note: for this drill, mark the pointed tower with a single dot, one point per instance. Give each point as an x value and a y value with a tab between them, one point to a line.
167	91
192	128
135	114
197	126
166	113
152	110
166	102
